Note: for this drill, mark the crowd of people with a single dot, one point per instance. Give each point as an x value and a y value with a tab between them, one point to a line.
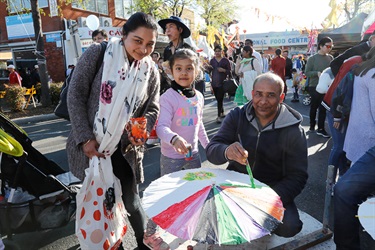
163	89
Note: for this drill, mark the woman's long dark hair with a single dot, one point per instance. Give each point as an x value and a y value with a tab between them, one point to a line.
367	64
137	20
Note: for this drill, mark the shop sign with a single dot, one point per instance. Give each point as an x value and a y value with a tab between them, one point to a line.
19	26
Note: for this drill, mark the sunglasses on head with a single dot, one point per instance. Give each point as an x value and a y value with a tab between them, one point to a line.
329	46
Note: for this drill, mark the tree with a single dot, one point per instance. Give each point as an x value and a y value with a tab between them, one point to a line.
37	21
160	9
217	12
353	7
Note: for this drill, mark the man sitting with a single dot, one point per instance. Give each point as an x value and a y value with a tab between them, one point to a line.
273	142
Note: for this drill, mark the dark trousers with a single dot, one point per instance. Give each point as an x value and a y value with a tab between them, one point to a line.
350	191
219	96
130	197
292	224
316	104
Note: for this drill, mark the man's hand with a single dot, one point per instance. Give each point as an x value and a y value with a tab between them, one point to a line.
236	152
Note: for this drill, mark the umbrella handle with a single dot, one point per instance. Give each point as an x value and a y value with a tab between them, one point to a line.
248	168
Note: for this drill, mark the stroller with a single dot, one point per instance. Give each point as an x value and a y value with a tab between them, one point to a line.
35	194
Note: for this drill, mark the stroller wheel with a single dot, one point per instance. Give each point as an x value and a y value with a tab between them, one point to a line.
306	100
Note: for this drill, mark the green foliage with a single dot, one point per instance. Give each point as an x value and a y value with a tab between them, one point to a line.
218	12
54	91
15	98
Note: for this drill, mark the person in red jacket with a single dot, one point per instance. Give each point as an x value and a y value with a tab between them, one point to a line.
14	78
278	65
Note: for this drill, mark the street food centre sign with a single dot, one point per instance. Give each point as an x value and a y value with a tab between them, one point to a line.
277	40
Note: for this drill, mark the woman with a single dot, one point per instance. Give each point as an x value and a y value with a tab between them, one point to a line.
126	65
220	69
247	63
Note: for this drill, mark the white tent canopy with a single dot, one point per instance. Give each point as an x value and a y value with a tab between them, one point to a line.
202	44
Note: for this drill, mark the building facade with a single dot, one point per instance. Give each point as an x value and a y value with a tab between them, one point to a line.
62	45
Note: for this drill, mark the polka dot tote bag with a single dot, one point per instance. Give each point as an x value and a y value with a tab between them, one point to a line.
101	214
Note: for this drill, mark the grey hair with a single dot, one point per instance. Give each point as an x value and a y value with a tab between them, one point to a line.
271	77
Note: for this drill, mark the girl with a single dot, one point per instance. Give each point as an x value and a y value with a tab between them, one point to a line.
127	73
180	122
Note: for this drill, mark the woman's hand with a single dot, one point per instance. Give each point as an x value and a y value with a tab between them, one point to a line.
90	149
134	141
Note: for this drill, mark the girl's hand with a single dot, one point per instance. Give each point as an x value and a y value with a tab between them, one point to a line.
90	149
180	146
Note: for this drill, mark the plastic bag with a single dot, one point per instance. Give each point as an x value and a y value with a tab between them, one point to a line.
101	214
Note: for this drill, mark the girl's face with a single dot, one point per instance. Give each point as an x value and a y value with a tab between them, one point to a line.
139	43
184	72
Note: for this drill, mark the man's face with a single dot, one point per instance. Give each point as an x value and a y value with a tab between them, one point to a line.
172	31
247	43
155	58
285	54
327	47
99	38
266	98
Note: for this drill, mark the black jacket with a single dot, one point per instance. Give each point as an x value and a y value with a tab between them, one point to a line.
168	52
277	154
357	50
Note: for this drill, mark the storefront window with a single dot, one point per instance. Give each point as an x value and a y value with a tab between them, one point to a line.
123	8
17	5
99	6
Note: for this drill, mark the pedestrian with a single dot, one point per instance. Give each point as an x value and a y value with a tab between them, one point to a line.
265	63
99	36
296	80
273	142
155	57
246	62
34	76
314	68
278	65
180	123
220	69
176	31
14	78
288	65
358	183
256	54
126	66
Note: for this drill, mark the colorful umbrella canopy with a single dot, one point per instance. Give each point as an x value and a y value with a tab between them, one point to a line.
366	215
213	206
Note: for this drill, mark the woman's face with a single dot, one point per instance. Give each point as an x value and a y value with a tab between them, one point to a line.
139	43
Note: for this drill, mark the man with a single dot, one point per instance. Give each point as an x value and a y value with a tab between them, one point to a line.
155	57
99	36
273	142
288	65
249	42
357	50
264	62
278	65
314	68
14	78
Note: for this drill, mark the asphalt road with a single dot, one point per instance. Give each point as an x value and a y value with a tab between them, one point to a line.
49	137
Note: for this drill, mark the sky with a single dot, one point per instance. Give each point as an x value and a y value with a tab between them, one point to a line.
294	14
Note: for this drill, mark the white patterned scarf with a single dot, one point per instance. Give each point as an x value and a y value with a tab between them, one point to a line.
122	89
